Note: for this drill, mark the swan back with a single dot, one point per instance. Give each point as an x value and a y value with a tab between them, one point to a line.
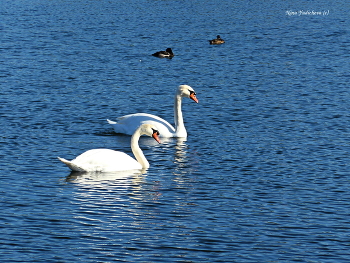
102	160
129	123
106	160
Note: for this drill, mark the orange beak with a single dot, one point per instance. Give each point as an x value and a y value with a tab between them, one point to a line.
155	136
193	97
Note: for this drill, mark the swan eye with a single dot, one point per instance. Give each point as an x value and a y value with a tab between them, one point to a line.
155	131
192	92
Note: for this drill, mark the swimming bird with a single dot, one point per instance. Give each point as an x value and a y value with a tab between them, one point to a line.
128	124
217	41
168	53
106	160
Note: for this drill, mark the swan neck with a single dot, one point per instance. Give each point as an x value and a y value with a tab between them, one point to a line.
136	150
178	118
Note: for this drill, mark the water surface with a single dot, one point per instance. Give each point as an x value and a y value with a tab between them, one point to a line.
263	174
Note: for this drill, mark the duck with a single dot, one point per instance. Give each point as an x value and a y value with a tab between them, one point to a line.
217	41
128	124
168	53
106	160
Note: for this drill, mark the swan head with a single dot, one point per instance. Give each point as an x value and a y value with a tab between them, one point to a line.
188	92
150	130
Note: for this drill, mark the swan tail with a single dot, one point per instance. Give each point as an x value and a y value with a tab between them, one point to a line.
119	128
71	165
111	122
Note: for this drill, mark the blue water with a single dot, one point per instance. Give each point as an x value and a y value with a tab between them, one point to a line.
263	175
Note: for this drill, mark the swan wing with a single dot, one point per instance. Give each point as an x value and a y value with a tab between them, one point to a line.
129	123
102	160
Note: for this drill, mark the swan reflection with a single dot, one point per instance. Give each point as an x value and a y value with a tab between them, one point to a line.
136	185
180	151
182	159
97	178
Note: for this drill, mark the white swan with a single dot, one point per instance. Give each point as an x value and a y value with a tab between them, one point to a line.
105	160
128	124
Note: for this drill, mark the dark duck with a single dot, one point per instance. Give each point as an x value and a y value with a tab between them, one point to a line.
217	41
168	53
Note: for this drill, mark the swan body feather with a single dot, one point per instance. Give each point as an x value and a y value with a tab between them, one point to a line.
128	124
106	160
102	160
